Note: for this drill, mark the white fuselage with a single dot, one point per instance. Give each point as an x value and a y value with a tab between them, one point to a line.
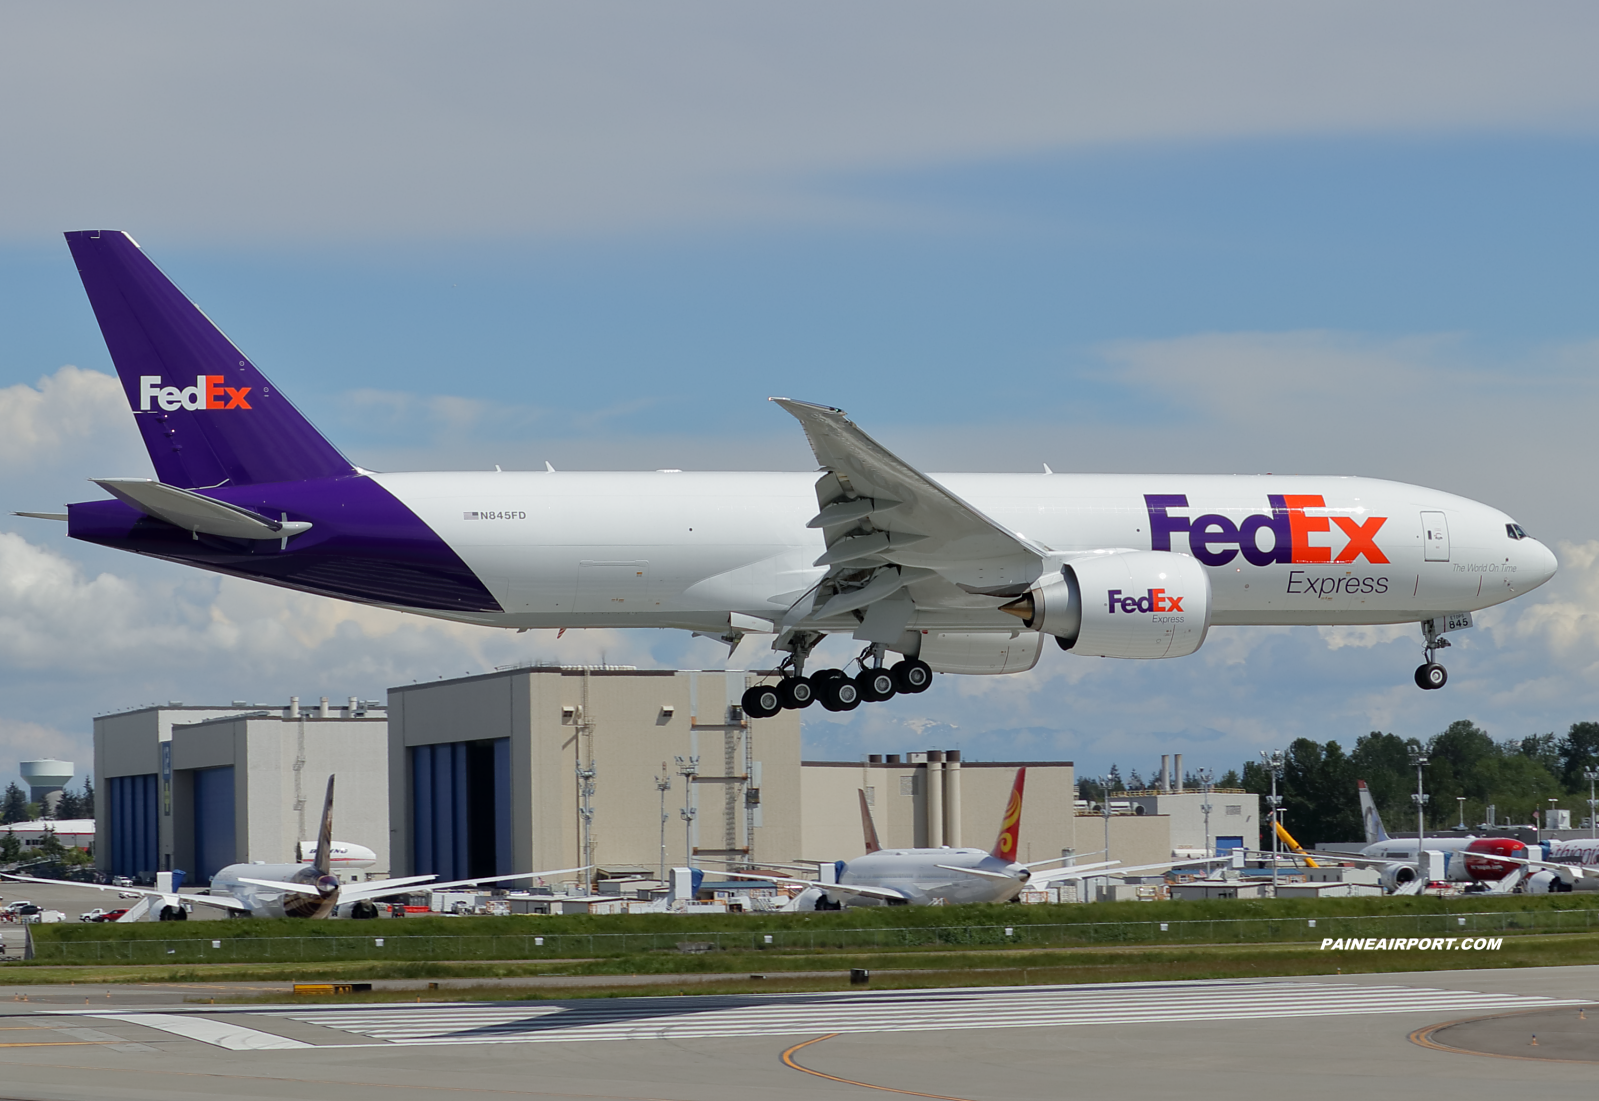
264	901
917	874
686	550
1401	850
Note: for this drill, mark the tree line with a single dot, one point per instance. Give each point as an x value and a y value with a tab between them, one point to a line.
1517	776
14	805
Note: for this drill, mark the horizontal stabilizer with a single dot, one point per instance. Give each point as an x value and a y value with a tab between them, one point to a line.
193	512
283	885
42	515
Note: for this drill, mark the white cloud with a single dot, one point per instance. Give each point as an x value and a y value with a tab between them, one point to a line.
361	119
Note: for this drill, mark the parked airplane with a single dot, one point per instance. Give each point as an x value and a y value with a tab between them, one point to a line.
291	890
960	573
1498	861
944	875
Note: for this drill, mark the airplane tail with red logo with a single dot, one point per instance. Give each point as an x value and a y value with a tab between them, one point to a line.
868	827
1009	842
208	416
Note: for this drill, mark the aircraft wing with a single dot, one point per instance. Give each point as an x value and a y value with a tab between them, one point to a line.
381	888
223	902
841	888
889	526
1087	871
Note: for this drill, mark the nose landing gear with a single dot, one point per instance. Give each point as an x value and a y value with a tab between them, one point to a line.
1430	675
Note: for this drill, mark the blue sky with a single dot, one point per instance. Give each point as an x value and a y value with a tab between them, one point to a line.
1312	241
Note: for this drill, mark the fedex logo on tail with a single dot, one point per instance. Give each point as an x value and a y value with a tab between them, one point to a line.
206	393
1296	536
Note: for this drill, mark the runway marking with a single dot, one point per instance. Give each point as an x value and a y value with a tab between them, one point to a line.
788	1060
1423	1038
217	1033
122	1071
893	1011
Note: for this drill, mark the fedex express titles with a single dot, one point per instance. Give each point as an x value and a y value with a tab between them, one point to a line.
1296	538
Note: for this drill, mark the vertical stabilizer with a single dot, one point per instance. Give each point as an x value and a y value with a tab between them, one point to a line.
324	835
1370	818
868	828
1009	842
208	417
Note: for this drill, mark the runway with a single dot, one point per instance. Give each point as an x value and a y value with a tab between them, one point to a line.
676	1019
1317	1038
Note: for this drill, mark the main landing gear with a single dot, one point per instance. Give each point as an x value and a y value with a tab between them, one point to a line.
1429	674
836	690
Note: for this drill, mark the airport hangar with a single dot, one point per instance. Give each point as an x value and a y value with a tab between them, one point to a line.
486	775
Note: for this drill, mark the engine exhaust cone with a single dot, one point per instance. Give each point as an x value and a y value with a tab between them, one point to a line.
1021	607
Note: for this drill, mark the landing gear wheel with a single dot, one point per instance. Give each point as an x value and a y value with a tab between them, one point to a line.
912	675
762	702
876	685
796	693
838	693
1431	676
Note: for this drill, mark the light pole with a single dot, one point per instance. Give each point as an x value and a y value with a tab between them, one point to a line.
688	768
663	784
585	810
1548	821
1592	774
1461	799
1418	760
1206	780
1274	763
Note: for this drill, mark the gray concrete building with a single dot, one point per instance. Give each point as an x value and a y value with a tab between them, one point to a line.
541	767
1234	820
931	798
200	787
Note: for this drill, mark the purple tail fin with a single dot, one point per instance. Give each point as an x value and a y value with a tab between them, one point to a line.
208	417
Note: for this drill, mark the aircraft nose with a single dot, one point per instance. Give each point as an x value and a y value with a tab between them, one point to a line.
1537	563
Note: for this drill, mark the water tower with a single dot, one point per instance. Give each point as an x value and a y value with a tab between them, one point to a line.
45	780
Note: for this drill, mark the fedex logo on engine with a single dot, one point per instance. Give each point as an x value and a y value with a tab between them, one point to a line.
206	393
1155	600
1296	536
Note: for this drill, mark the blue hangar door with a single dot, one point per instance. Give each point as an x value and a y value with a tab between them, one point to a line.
132	812
213	821
461	809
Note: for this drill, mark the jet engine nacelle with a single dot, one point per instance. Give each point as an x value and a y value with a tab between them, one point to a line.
1132	604
1545	882
1394	876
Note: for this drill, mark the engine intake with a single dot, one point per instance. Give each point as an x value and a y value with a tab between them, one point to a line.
1133	604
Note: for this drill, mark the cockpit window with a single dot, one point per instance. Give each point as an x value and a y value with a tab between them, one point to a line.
1515	531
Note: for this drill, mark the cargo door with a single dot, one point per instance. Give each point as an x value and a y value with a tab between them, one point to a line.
1435	534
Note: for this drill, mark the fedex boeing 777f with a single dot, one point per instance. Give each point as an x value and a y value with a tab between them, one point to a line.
959	573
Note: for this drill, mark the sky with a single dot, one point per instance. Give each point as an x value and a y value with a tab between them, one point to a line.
1150	237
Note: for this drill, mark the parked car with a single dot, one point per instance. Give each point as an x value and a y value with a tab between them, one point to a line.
93	915
14	907
129	894
121	881
111	915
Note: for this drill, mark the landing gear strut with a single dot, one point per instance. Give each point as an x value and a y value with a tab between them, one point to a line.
1429	674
